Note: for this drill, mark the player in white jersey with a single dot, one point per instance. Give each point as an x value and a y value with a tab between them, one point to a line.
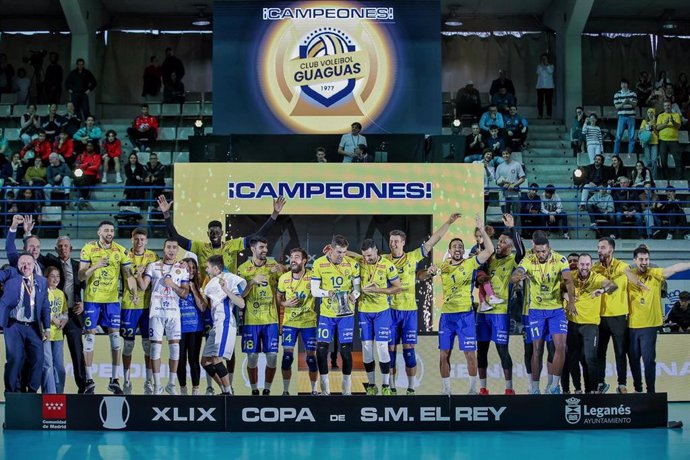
224	290
169	282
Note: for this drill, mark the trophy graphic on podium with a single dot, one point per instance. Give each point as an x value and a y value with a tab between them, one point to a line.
343	300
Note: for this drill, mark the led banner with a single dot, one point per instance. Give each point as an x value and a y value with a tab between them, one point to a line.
318	66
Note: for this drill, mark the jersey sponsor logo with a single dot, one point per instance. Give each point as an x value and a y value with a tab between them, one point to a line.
176	414
277	414
114	412
479	414
331	190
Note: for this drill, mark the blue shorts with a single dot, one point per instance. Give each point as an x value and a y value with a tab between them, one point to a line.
260	339
131	320
375	326
308	337
403	327
495	328
462	325
544	323
102	314
344	324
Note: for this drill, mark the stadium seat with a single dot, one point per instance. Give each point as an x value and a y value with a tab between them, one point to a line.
184	132
166	134
193	96
18	111
181	157
165	157
5	110
8	98
12	134
191	109
42	109
170	110
207	109
610	113
154	109
683	137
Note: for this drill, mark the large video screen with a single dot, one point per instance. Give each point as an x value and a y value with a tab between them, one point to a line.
318	66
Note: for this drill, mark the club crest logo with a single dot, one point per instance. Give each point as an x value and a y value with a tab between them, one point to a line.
573	411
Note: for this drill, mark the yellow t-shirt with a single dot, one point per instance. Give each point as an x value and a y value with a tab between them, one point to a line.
104	283
654	138
382	273
228	250
616	303
645	306
139	264
500	271
58	309
458	285
304	314
525	284
588	307
669	133
545	281
261	307
334	278
406	266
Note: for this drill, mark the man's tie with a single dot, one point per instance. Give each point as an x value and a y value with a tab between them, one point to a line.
26	302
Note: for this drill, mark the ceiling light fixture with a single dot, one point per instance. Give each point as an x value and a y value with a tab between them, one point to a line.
453	20
201	20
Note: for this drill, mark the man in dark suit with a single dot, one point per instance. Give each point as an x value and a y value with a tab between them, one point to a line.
69	284
25	319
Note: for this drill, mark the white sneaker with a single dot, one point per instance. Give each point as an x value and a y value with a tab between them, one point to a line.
118	178
158	390
493	300
485	307
104	180
183	391
127	388
148	388
210	391
195	392
535	391
171	389
473	392
548	388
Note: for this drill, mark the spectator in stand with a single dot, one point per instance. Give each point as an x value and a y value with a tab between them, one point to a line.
36	175
349	142
491	117
594	176
662	80
640	175
135	174
649	201
468	101
52	124
552	208
173	92
37	148
59	175
577	139
152	78
6	75
593	137
618	169
144	130
171	64
600	207
22	85
495	142
682	90
13	172
649	139
64	146
670	213
643	89
87	173
112	150
530	211
516	127
627	206
52	81
509	176
503	100
474	145
29	124
502	81
545	86
29	203
668	124
678	318
321	155
71	121
155	175
87	133
489	176
79	83
625	102
5	150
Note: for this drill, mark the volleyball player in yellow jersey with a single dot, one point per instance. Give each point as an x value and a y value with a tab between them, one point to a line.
646	316
379	281
404	304
260	329
299	317
136	315
494	325
336	280
101	265
457	317
583	328
545	269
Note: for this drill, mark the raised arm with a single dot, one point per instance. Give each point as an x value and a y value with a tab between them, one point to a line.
165	206
278	205
509	222
10	241
676	268
488	250
438	234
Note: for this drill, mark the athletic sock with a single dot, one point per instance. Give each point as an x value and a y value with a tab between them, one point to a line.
482	383
446	385
113	372
549	379
325	387
157	379
529	378
391	381
313	386
149	374
286	384
209	381
509	384
267	385
347	384
473	383
227	389
410	381
371	376
172	378
386	378
89	374
127	372
230	376
556	381
254	386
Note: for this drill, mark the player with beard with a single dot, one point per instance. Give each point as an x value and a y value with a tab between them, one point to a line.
572	258
494	325
545	271
299	317
102	264
169	282
404	304
583	327
457	316
646	316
